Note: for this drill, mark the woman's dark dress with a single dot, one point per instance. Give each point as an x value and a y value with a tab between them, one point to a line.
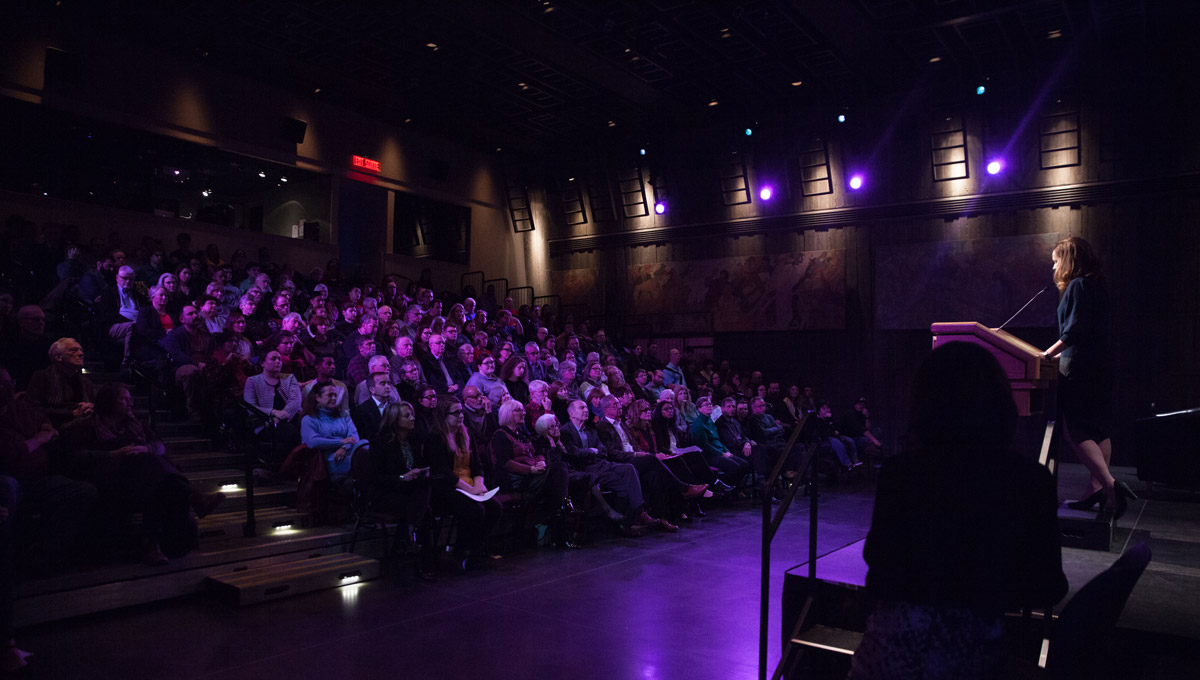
1085	388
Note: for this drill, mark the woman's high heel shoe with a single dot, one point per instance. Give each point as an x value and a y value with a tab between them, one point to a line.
1123	495
1089	502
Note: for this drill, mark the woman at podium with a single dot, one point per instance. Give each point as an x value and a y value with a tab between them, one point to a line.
1085	377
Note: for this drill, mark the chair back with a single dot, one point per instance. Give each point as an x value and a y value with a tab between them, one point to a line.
1090	617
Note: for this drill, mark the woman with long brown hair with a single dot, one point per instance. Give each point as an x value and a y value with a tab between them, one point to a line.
1084	366
449	456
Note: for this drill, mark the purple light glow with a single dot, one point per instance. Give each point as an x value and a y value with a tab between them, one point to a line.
660	208
995	166
766	192
856	182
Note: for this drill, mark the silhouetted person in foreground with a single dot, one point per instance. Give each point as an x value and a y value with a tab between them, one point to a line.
964	529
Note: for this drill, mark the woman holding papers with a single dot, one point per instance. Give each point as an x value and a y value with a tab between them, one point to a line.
465	494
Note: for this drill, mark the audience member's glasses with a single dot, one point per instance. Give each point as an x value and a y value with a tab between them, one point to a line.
455	412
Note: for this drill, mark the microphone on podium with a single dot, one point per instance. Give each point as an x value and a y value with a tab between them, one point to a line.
1035	296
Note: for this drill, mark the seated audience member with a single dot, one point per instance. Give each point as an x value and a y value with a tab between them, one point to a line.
235	325
536	360
93	282
277	395
566	376
963	529
404	349
60	504
256	327
539	402
210	309
330	432
62	390
488	383
769	437
478	416
731	467
856	424
377	364
153	322
655	429
28	350
522	469
125	459
347	323
437	373
358	369
515	374
730	430
461	365
226	372
449	455
792	404
672	373
686	411
842	446
409	385
398	480
325	368
351	346
584	452
117	310
593	379
367	414
296	358
188	347
584	486
318	336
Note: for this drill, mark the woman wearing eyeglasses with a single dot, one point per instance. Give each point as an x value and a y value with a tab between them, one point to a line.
449	455
490	384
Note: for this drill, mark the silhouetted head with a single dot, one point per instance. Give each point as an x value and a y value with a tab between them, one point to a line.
962	399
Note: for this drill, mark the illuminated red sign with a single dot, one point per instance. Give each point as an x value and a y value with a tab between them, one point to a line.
361	163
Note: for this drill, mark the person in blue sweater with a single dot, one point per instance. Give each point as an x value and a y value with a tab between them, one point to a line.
330	431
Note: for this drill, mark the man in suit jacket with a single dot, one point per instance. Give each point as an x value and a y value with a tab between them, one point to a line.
656	478
188	346
585	453
117	309
434	365
369	414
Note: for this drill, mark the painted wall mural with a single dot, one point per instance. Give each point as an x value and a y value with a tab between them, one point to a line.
579	287
792	291
985	280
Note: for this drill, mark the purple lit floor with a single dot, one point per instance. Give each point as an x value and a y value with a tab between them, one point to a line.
662	606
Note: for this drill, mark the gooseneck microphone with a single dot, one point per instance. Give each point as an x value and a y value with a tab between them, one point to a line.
1035	296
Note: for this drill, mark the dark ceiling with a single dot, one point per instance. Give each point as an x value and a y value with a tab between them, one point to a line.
541	74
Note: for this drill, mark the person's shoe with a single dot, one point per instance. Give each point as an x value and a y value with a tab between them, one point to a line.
707	494
644	519
204	503
631	531
699	512
1123	495
153	556
694	490
667	526
615	516
1087	503
721	486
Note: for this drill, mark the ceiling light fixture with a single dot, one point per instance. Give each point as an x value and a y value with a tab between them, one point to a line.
934	60
712	102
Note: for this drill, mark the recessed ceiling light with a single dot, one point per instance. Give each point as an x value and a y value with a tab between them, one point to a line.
283	179
712	102
612	123
408	120
317	91
797	83
432	45
1054	33
934	60
262	174
628	50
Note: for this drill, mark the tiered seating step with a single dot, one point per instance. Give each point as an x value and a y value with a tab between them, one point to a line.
113	586
268	521
1083	529
216	459
278	581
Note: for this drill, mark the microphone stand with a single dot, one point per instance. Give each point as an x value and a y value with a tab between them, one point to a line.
1035	296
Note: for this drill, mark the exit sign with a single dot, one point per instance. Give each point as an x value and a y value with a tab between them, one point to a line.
361	163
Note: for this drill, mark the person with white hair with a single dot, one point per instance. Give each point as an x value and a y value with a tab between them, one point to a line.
62	390
376	365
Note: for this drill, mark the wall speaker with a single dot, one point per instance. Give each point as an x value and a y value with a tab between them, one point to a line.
292	130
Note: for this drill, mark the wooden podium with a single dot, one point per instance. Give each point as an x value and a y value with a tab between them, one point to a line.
1030	374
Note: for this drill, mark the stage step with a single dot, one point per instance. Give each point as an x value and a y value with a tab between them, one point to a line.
830	639
1083	529
267	521
264	497
278	581
215	459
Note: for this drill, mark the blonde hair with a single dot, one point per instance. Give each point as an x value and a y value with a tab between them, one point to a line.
1076	259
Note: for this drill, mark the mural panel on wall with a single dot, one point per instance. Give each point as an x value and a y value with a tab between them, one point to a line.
579	287
985	280
792	291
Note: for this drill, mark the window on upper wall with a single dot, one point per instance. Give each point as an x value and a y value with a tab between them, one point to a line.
1059	139
600	198
63	156
423	227
815	177
633	193
735	188
948	149
519	209
571	194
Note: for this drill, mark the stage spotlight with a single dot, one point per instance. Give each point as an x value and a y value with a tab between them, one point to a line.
841	118
749	132
995	166
660	208
856	181
766	192
642	151
980	90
